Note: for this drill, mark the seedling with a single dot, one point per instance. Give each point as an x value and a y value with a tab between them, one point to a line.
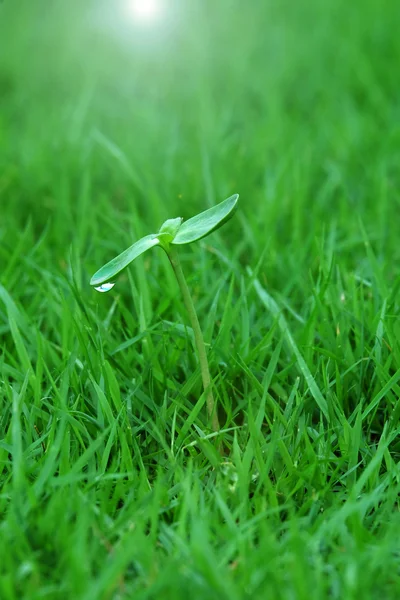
172	234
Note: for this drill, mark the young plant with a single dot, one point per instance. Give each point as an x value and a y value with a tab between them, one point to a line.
172	234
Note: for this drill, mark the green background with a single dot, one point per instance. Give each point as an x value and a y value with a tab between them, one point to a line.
111	485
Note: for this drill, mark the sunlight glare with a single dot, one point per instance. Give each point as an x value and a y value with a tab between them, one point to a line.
145	10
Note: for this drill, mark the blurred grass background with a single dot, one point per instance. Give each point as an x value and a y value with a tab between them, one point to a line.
110	125
296	105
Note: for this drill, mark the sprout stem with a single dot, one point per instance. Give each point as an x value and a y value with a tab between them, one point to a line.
198	336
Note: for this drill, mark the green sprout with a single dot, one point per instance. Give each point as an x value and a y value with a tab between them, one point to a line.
174	233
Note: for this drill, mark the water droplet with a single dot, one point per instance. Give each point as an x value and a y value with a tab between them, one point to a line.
105	287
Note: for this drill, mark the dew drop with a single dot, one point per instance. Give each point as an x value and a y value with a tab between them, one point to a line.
104	287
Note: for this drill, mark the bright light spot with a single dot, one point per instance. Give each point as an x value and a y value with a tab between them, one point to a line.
145	10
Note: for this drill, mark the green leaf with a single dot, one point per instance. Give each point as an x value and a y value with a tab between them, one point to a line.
107	273
170	228
206	222
173	231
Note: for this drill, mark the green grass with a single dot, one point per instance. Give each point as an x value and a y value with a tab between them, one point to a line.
111	483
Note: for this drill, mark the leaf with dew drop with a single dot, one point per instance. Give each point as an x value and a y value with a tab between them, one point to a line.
173	231
109	271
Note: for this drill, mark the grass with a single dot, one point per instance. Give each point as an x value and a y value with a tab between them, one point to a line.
111	484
